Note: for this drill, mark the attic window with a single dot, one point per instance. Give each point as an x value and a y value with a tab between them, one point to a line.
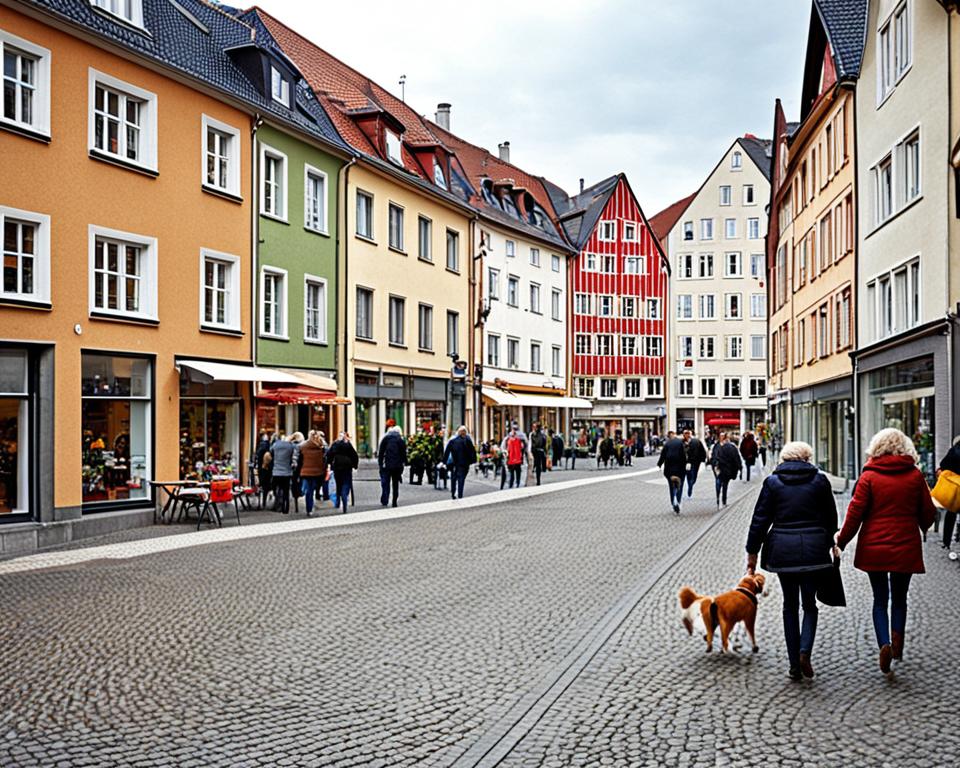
736	162
438	177
279	87
393	148
129	10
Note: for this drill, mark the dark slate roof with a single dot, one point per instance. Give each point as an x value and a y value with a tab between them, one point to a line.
761	152
580	213
845	22
196	47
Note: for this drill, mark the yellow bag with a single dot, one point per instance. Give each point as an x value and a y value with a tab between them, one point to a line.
947	490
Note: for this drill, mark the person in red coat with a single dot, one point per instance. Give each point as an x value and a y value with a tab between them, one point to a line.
891	505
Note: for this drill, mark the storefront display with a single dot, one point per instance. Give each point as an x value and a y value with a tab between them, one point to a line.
209	429
116	428
14	433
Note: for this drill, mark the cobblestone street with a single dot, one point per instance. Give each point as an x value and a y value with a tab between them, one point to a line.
530	631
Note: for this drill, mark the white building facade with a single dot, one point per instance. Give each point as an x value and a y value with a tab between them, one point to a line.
718	296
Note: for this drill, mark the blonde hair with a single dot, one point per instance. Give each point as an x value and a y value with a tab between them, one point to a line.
796	451
891	442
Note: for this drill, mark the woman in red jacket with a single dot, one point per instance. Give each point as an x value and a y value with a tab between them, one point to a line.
891	504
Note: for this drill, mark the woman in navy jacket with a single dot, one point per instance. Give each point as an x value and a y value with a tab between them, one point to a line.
792	527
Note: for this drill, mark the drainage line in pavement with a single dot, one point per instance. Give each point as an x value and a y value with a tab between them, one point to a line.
505	734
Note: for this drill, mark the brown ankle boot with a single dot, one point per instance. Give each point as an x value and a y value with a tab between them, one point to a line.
897	645
886	656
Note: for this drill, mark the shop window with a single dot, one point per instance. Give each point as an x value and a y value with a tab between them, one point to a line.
210	429
15	449
116	425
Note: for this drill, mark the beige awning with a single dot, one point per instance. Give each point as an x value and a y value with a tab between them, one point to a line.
314	380
502	397
204	372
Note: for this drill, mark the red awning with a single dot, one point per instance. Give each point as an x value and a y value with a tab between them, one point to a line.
722	421
300	395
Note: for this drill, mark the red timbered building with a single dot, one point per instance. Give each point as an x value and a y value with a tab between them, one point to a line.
617	289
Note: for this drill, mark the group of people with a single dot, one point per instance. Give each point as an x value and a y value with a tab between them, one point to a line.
682	457
291	465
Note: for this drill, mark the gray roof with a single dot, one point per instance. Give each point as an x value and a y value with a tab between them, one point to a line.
580	213
191	36
761	152
845	22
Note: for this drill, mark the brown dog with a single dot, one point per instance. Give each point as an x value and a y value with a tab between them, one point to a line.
739	604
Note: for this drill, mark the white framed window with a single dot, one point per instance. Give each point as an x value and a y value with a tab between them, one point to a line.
604	344
273	302
684	266
756	266
730	229
584	387
685	306
453	332
315	199
122	122
513	291
883	190
629	232
605	306
753	228
628	346
654	307
758	387
364	214
314	309
555	304
131	11
685	347
556	364
273	185
25	255
220	164
123	274
554	262
425	328
736	161
608	388
583	303
438	178
758	306
535	298
733	309
536	366
633	389
733	264
654	387
894	50
453	250
608	231
748	195
26	84
758	347
395	226
910	152
708	386
608	263
708	306
628	306
652	346
513	352
706	229
510	249
493	350
688	230
705	265
708	347
733	348
425	240
685	386
634	265
582	344
535	257
279	87
397	321
219	290
589	262
493	284
364	313
725	195
732	386
394	148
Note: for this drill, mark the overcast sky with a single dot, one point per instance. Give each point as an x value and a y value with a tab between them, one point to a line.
656	88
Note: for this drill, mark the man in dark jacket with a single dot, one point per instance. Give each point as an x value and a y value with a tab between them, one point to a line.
459	455
538	446
391	458
673	459
342	458
696	456
793	525
556	449
725	459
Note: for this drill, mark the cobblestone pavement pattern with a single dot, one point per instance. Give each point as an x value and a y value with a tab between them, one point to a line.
407	642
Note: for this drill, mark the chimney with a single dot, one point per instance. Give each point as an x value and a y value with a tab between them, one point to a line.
581	186
443	116
505	151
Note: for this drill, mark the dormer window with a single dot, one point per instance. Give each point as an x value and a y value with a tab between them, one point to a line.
438	177
393	148
279	87
736	162
129	10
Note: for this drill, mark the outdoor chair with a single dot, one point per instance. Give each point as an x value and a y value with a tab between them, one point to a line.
221	492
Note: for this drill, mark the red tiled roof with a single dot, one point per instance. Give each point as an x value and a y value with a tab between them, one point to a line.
663	222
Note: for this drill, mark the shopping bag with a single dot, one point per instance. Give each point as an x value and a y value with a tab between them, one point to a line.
830	586
947	490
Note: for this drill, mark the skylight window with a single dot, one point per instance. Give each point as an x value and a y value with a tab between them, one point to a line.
279	87
438	178
393	148
129	10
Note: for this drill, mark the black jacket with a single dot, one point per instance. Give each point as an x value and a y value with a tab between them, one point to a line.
393	451
726	460
342	457
460	452
951	460
794	520
673	458
538	440
556	446
696	453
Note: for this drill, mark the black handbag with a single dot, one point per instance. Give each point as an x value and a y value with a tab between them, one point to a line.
830	586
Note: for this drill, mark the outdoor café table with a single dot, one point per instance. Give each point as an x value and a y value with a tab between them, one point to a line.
172	488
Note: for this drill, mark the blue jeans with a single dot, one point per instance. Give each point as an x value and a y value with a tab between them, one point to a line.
676	492
457	477
799	589
889	589
692	478
722	484
344	488
308	486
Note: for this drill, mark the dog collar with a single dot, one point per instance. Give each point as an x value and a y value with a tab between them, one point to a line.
748	593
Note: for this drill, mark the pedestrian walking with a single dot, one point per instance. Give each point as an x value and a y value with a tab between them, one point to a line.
748	449
538	447
947	490
696	456
313	468
342	459
263	458
459	456
556	450
296	490
514	448
762	449
604	451
285	456
673	459
391	458
891	505
725	460
793	525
